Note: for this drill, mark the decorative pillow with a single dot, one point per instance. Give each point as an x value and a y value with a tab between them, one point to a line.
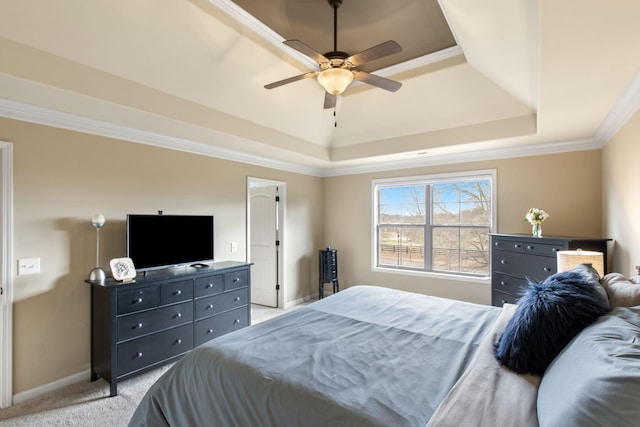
595	380
595	276
547	317
622	292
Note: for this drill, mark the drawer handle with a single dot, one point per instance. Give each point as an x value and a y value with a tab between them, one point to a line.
503	261
139	355
236	280
179	315
503	283
496	244
517	245
209	306
235	322
503	302
139	325
530	247
178	341
547	269
209	286
554	250
139	300
178	292
209	331
236	299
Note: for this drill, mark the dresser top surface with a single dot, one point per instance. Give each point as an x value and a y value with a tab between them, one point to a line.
173	273
563	238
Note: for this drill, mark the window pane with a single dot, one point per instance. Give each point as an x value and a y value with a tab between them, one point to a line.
463	202
446	249
474	250
401	246
402	205
463	250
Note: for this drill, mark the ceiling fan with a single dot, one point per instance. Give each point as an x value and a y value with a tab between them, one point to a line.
338	69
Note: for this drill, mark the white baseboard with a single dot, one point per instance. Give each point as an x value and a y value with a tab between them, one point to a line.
53	386
300	300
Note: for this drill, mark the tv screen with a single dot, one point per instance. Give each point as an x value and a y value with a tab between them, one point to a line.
161	241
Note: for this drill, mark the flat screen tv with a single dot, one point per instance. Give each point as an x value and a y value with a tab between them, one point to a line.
162	241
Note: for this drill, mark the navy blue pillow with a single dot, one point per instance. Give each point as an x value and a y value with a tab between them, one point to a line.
547	317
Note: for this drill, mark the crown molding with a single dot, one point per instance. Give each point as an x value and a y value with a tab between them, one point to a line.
246	19
469	156
44	116
48	117
621	112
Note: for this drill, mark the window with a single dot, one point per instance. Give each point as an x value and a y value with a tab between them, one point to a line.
435	223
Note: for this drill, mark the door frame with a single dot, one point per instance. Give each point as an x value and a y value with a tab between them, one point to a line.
6	274
282	211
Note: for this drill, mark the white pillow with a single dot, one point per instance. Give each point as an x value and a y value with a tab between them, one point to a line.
622	291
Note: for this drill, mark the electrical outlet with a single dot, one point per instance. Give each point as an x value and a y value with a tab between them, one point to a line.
234	246
28	266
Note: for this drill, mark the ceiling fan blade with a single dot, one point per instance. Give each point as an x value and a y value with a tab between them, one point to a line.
290	80
303	48
329	100
381	82
379	51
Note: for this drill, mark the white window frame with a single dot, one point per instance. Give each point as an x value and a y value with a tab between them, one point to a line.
429	179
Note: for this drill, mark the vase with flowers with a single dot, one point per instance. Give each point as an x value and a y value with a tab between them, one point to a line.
535	217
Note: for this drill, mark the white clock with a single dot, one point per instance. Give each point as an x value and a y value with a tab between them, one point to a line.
122	269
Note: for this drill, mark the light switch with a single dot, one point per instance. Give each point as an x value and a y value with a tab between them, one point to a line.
28	266
234	246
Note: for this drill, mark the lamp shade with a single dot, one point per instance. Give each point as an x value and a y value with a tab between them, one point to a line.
335	80
570	259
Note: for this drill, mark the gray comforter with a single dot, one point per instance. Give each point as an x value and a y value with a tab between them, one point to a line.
367	356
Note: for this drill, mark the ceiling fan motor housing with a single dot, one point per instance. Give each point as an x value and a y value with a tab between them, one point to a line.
336	60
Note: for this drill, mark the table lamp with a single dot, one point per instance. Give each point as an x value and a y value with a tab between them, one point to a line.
97	274
569	259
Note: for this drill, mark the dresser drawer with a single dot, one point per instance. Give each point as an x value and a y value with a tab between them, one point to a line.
147	322
209	285
528	266
173	292
216	304
236	279
150	349
212	327
498	298
507	245
137	299
547	249
508	284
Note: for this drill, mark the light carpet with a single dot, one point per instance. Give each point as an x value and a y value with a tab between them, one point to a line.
83	404
88	403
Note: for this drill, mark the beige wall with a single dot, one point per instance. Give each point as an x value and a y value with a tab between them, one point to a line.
621	198
62	178
565	185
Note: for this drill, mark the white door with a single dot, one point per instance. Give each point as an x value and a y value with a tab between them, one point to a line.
6	286
263	247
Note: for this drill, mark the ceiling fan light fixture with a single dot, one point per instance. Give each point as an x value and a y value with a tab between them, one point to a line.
335	80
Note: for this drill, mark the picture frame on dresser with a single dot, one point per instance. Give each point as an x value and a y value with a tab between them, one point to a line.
518	258
164	314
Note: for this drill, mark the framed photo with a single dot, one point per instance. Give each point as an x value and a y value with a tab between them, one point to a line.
122	269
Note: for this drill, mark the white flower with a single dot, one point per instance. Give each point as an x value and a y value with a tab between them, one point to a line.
536	216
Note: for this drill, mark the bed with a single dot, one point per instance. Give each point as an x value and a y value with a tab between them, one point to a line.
369	356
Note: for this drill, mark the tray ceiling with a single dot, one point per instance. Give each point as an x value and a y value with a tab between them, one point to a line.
480	78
